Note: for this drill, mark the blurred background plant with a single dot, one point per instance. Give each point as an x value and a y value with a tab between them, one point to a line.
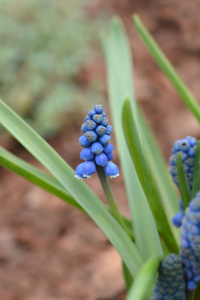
44	47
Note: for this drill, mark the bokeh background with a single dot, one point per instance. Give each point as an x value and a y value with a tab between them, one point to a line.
51	72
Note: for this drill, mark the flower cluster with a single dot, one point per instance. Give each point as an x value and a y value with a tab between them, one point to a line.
187	148
170	283
190	243
98	151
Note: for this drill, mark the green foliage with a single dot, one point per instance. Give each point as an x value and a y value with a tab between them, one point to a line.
43	47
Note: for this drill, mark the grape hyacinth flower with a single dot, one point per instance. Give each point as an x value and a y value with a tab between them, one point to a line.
98	151
190	243
170	284
187	148
178	218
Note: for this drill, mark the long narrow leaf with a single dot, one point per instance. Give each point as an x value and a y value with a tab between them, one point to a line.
159	171
44	153
41	179
145	177
120	83
145	280
196	176
167	68
183	184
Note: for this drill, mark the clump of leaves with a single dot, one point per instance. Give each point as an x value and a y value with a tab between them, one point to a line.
44	46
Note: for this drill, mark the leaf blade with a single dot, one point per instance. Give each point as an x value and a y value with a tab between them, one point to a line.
167	68
183	184
119	77
144	175
145	279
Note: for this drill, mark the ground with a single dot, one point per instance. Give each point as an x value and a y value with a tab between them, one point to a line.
51	251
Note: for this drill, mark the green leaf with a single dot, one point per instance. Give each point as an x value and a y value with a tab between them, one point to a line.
167	68
34	175
183	184
41	179
128	278
196	175
44	153
145	280
159	171
120	84
145	177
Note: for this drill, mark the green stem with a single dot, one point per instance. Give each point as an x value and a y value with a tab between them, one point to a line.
190	295
197	293
109	196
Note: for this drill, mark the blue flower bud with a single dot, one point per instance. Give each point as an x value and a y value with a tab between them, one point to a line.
189	161
192	141
100	130
103	114
104	121
84	128
184	145
108	148
86	154
101	159
91	125
98	108
104	139
108	129
84	141
97	148
110	156
91	136
89	168
177	219
170	283
192	151
87	118
173	170
97	118
91	113
111	170
79	171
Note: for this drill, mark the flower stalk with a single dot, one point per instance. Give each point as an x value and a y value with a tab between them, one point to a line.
109	196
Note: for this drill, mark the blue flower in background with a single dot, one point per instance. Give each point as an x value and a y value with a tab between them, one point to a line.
98	151
170	284
190	243
187	147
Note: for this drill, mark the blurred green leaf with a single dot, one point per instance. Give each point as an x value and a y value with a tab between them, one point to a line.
45	154
145	280
159	171
145	177
128	278
120	84
167	68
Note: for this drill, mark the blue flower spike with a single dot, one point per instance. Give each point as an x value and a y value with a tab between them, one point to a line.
98	151
187	148
190	243
170	284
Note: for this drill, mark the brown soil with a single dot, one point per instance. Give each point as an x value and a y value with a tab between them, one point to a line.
51	251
